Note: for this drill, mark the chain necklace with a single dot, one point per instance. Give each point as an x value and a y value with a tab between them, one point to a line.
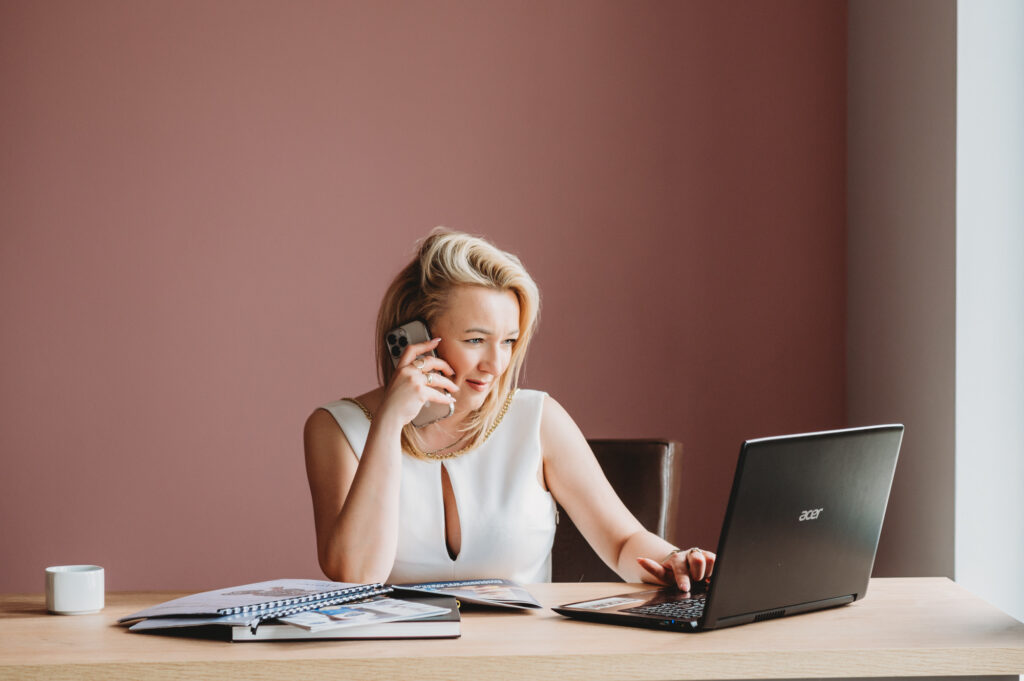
436	454
433	454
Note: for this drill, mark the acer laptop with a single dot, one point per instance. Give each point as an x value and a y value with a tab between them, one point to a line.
799	534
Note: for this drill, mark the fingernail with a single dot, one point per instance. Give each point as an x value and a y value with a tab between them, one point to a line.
434	340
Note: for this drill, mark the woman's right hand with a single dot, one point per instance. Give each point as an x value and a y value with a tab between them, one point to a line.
409	388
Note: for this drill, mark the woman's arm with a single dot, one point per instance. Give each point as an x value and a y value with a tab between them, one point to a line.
355	499
580	486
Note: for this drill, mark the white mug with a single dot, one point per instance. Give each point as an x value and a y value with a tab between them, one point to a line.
74	589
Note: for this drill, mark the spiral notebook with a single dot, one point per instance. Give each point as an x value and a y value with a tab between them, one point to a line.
250	604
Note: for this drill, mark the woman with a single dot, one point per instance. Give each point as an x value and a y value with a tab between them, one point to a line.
471	495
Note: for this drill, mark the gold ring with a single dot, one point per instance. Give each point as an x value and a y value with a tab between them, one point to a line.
694	550
418	363
430	378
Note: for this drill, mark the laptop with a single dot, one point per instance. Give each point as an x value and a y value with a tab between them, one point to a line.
799	534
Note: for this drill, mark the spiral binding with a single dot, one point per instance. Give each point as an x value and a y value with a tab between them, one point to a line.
290	606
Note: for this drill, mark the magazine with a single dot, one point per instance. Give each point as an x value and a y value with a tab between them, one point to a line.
502	593
364	613
445	624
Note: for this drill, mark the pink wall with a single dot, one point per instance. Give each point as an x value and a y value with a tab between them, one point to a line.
201	204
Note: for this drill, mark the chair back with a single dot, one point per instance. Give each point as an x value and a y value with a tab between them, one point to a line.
645	474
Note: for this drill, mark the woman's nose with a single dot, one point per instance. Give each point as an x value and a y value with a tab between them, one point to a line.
489	360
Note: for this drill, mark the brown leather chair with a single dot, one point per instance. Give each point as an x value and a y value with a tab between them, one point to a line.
646	475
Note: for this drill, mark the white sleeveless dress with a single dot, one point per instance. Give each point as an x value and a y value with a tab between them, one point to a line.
507	519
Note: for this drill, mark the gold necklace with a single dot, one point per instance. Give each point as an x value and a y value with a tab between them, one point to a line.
434	455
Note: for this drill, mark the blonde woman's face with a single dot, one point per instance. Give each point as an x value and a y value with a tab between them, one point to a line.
478	330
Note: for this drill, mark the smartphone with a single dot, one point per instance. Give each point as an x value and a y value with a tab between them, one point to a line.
396	341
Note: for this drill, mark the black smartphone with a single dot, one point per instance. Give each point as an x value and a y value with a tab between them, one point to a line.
396	341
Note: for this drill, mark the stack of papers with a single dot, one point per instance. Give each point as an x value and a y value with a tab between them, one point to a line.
291	608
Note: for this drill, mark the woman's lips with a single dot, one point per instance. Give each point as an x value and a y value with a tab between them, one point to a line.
478	385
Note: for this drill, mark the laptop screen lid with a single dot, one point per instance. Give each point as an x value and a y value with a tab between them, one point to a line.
799	534
803	522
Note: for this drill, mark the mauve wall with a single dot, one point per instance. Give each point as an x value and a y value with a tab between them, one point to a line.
201	204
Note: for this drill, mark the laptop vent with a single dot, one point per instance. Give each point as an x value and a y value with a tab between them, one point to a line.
769	615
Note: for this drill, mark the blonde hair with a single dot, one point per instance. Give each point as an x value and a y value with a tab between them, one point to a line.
445	260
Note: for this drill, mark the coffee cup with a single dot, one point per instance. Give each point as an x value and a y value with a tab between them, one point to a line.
74	589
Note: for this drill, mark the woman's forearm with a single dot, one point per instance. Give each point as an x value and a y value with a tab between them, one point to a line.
362	544
640	544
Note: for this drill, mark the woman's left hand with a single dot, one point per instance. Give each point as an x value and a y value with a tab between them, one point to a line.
680	567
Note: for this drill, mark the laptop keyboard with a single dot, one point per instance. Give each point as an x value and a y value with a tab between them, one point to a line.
683	609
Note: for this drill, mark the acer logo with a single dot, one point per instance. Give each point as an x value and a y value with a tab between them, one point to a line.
811	514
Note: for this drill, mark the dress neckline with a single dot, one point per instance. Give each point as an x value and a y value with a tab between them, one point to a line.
449	455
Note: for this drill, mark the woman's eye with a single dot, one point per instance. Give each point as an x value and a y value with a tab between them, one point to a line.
475	341
510	341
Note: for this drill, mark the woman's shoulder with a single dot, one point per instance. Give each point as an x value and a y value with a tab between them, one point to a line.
526	406
546	406
529	395
556	425
337	411
550	417
346	419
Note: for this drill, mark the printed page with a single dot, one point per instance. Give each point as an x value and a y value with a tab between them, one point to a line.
497	592
371	612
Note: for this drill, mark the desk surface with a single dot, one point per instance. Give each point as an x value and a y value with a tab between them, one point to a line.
904	627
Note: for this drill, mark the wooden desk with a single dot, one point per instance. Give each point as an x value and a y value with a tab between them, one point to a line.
905	627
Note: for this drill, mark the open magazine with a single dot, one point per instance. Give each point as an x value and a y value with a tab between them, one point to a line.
502	593
443	625
417	615
250	604
373	611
